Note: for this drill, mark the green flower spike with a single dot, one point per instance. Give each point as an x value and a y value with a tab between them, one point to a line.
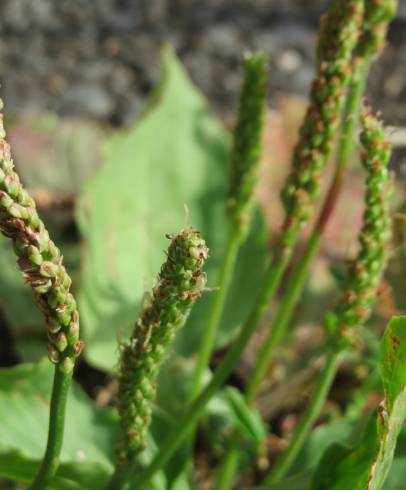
40	261
366	270
378	14
181	281
339	33
247	140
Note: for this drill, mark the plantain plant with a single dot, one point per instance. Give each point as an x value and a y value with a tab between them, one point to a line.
156	436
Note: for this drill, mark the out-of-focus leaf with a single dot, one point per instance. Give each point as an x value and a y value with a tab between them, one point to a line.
16	299
229	414
172	396
247	420
18	305
87	453
301	481
367	465
397	475
55	156
174	388
162	425
336	431
70	476
176	154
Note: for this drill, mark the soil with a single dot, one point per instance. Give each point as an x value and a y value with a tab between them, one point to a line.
98	59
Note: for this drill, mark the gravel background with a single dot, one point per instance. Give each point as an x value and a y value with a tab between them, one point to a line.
98	58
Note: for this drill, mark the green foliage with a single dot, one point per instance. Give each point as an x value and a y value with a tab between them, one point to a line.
87	455
150	172
169	168
367	465
229	414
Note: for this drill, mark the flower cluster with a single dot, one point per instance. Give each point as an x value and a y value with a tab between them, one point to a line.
247	139
181	281
339	33
40	262
366	270
378	14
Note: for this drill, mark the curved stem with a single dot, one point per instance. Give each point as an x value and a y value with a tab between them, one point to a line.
50	463
209	336
310	416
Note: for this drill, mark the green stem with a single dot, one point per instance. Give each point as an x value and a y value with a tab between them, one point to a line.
291	295
50	462
310	416
171	443
225	275
226	476
193	412
297	281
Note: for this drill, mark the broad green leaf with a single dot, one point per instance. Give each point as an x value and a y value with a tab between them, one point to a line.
55	156
24	411
70	476
392	412
367	465
176	155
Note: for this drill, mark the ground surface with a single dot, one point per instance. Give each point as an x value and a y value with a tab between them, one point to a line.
99	59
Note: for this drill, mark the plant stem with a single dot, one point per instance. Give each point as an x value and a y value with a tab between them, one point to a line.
49	465
291	295
273	277
296	282
217	306
310	416
225	478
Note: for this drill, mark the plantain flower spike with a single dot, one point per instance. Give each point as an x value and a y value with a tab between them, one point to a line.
339	33
247	140
180	282
366	270
40	261
378	14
